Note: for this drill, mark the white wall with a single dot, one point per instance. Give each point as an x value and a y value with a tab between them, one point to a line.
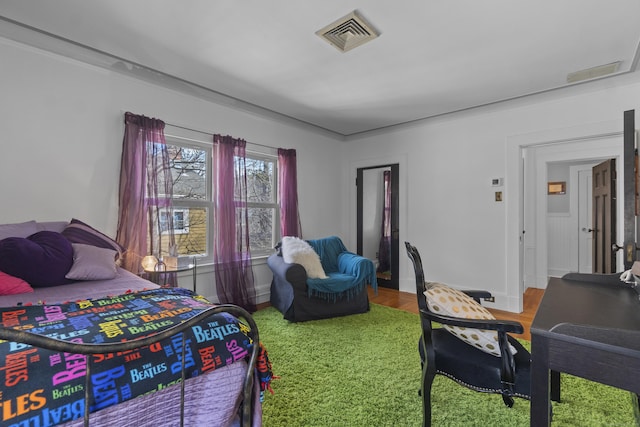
449	211
61	125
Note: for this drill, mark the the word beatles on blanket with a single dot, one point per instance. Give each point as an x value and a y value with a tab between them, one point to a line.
43	387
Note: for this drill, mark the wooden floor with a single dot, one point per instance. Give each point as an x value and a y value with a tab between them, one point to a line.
407	301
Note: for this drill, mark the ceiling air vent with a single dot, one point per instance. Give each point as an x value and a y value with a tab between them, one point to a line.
594	72
348	32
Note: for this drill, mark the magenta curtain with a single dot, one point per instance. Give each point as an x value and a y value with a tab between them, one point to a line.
146	189
288	193
384	249
231	254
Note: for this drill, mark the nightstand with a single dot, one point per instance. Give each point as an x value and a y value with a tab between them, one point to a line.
157	276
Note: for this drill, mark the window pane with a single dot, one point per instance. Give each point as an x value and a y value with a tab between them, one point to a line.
164	221
179	220
191	238
260	180
189	172
190	232
261	228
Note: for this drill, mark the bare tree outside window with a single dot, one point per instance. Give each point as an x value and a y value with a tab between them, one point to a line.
189	174
262	202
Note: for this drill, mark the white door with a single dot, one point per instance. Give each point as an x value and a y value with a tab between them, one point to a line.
585	234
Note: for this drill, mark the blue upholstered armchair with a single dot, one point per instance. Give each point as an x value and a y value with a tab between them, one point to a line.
342	292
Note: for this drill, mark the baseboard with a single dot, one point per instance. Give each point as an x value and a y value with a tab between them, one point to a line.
504	302
557	272
263	293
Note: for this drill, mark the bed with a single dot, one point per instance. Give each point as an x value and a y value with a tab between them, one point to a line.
123	351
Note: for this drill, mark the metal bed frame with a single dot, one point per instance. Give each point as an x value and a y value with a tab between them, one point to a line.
81	348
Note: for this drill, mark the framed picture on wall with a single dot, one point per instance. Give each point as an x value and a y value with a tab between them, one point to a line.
557	187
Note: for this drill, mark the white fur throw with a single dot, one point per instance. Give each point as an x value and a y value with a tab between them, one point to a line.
295	250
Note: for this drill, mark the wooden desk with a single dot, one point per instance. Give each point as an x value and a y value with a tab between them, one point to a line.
587	329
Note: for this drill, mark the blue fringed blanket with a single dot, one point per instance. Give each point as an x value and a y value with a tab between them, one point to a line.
43	387
348	273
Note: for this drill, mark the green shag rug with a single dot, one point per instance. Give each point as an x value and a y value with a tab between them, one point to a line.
364	370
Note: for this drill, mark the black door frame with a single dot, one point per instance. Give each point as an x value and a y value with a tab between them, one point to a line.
631	218
395	239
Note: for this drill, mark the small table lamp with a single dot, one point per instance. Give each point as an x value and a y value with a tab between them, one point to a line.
149	263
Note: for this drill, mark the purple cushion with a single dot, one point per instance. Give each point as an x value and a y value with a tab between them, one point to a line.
42	259
79	232
92	263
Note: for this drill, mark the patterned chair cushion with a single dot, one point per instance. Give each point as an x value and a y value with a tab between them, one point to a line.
442	299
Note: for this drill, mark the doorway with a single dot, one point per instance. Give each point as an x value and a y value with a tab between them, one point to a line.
583	174
550	244
523	181
569	216
371	210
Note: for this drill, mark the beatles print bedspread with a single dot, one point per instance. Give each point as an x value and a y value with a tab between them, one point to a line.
43	388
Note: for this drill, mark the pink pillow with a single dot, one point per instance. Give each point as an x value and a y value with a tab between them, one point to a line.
10	285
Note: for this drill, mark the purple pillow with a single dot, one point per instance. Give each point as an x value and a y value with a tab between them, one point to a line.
80	232
42	259
92	263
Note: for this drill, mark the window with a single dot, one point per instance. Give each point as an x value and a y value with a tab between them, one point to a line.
190	162
180	221
262	203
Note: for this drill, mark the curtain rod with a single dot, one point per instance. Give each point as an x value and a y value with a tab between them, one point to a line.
211	134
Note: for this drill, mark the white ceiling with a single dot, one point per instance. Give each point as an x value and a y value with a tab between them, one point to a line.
432	57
